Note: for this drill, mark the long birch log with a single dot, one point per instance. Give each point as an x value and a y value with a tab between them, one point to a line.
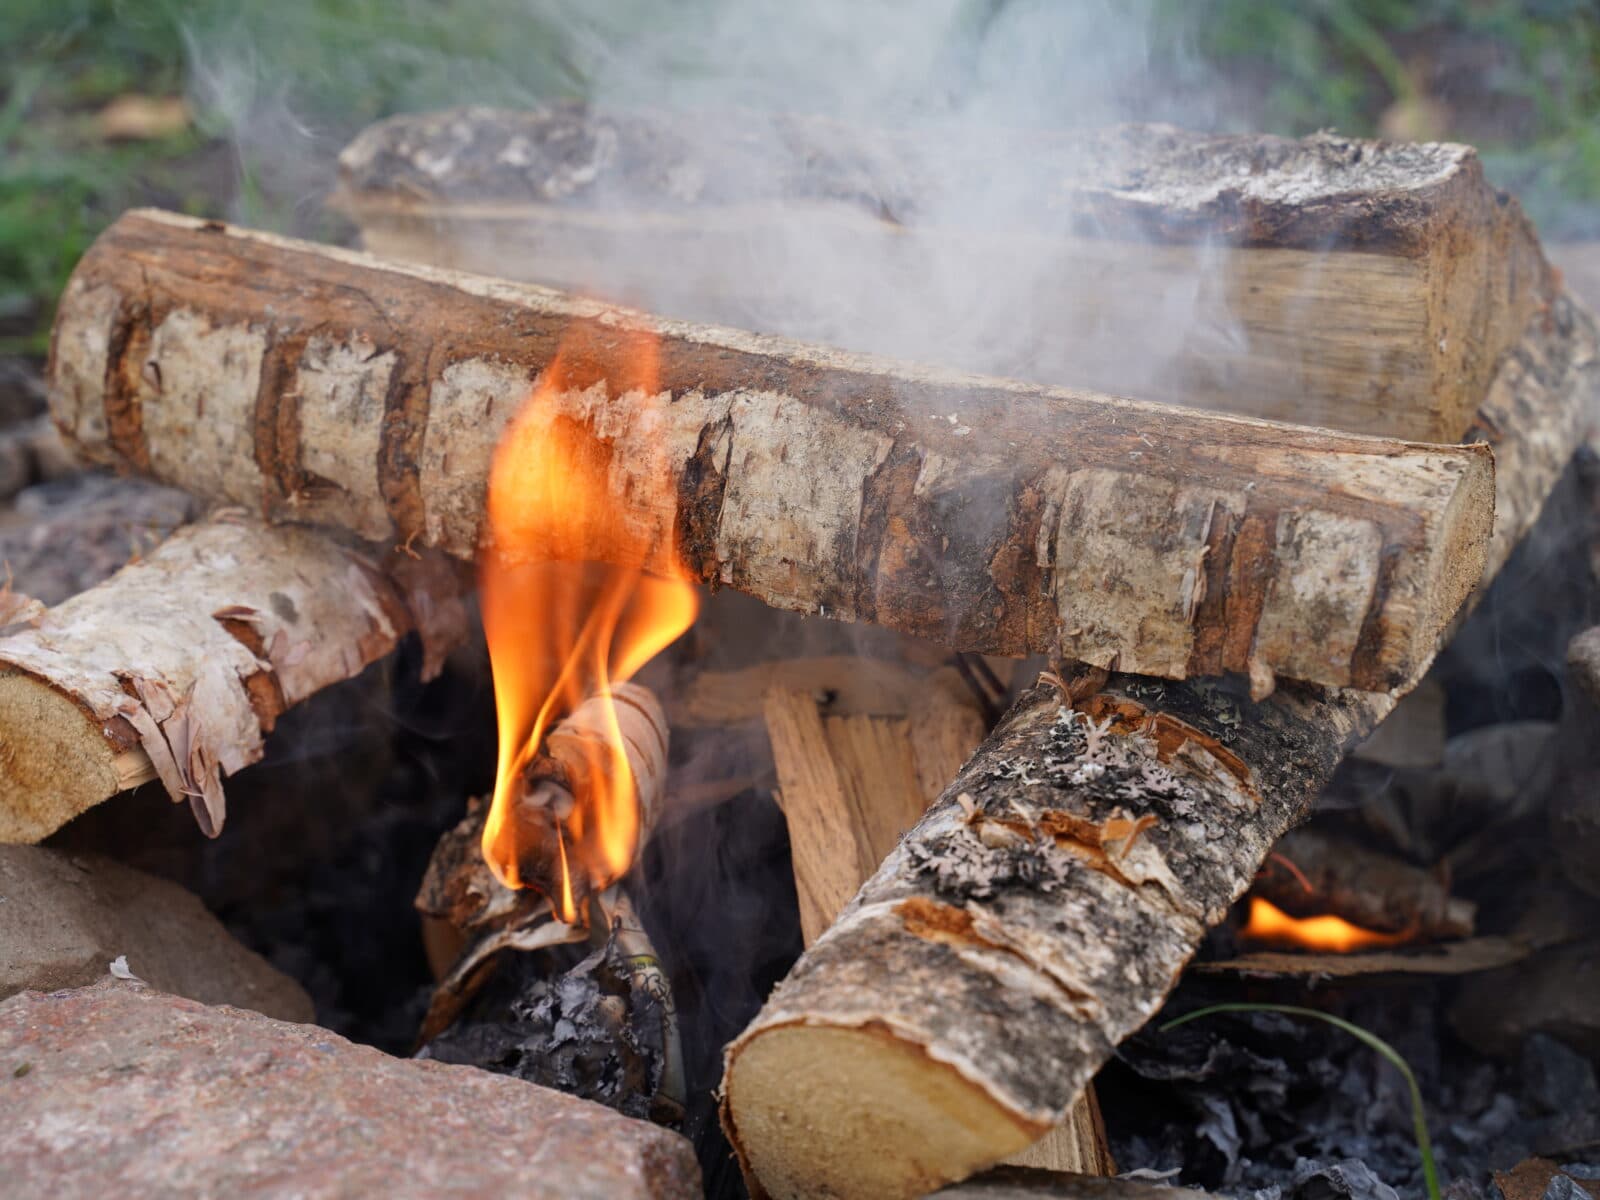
177	666
327	386
1044	907
1367	286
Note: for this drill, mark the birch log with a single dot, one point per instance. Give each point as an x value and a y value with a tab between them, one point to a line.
177	666
1044	907
323	385
1360	285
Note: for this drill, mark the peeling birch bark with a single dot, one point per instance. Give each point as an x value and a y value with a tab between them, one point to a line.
178	666
984	514
1046	904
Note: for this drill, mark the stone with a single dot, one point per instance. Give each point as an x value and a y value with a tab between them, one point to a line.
117	1089
65	917
1553	992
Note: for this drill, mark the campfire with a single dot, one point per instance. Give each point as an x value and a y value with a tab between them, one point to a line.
972	703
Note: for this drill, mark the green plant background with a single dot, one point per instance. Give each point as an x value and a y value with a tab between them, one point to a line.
1520	80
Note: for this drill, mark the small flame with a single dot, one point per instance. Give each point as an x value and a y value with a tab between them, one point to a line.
1270	924
561	629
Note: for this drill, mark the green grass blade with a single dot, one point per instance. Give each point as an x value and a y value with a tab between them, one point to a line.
1419	1118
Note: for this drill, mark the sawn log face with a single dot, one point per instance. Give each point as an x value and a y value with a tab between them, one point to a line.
324	385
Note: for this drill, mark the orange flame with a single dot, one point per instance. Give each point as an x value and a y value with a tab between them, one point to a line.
1270	924
560	629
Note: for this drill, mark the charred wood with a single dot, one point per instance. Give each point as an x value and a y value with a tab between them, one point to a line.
1314	872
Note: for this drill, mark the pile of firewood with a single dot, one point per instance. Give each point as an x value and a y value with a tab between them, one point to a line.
1226	604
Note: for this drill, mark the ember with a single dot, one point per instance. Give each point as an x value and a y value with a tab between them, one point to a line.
1271	926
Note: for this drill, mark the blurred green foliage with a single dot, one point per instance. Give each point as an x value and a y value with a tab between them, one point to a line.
1520	79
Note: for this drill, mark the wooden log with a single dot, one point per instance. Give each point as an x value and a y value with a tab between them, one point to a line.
322	385
850	786
1044	907
1366	286
178	666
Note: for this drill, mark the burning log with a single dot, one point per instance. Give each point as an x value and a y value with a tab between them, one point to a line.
1314	872
1046	904
179	665
1369	286
323	385
619	1041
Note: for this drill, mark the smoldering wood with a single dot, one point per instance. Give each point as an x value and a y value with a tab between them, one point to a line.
1368	286
178	666
1465	957
323	385
1315	871
461	893
603	1027
973	986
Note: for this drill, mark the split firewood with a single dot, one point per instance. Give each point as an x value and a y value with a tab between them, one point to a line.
178	666
1367	286
988	515
1314	872
850	786
1044	907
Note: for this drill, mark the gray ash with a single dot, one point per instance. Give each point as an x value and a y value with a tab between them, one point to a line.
583	1030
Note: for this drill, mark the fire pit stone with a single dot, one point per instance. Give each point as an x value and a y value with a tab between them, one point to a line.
117	1087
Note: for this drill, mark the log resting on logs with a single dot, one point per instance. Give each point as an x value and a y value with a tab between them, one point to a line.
1046	904
178	665
1368	286
323	385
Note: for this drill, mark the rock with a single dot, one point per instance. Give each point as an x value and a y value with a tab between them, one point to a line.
1552	992
1575	803
16	464
70	533
1413	735
22	392
64	917
117	1089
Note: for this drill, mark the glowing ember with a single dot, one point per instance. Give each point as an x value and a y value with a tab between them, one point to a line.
1269	924
561	630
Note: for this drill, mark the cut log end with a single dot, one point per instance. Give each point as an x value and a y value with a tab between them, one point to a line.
855	1113
1460	554
54	761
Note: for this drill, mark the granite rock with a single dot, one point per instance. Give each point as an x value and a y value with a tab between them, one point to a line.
64	917
116	1089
